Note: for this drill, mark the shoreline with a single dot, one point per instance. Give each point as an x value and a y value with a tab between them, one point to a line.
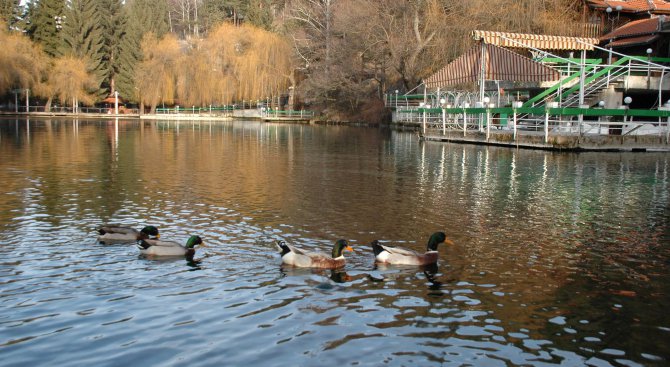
557	142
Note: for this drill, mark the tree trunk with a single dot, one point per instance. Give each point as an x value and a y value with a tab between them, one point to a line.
47	105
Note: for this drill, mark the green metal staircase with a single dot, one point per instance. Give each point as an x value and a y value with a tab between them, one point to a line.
593	76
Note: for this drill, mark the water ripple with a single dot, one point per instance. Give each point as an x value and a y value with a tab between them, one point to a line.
559	259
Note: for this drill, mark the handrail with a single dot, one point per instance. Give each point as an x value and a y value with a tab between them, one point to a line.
638	58
595	86
557	86
598	74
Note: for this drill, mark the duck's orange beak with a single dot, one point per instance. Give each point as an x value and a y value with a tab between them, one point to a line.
448	242
348	248
202	244
158	236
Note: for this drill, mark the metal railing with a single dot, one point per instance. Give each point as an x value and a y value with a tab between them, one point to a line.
68	110
546	121
301	114
212	110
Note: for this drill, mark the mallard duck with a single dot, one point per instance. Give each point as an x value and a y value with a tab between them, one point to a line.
114	233
403	256
297	257
169	248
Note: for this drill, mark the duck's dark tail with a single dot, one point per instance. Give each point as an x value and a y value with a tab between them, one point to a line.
376	247
283	248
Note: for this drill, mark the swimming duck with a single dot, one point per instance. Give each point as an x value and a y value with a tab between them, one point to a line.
114	233
291	255
169	248
403	256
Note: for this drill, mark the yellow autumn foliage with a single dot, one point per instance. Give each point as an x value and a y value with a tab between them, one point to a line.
22	64
70	82
234	63
155	77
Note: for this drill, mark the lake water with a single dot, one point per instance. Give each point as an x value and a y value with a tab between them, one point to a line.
559	259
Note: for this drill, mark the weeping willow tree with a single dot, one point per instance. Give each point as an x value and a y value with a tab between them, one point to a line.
70	82
23	65
156	75
235	64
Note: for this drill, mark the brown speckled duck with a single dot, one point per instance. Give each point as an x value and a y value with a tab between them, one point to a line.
291	255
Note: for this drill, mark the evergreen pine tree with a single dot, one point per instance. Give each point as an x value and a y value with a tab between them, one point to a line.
113	22
142	16
10	12
259	14
83	37
46	20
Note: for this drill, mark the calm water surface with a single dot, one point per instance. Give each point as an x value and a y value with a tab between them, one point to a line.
560	259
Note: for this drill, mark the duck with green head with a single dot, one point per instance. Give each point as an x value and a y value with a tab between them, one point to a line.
119	234
403	256
291	255
169	248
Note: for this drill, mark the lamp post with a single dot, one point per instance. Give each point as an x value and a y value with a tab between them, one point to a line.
609	15
649	51
116	102
609	12
627	101
396	100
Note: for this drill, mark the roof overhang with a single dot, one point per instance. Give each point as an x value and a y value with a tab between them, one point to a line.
537	41
633	41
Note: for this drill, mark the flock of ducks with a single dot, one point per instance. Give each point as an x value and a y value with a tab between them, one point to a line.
148	242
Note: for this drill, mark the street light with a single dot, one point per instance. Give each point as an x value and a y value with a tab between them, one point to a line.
116	102
59	21
611	19
649	51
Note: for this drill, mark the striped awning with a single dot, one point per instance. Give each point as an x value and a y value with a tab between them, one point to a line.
500	64
542	42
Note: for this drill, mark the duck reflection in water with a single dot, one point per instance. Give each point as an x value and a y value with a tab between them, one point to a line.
386	272
336	275
192	263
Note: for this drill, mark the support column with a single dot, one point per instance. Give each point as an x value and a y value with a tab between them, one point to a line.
582	66
546	126
514	123
482	72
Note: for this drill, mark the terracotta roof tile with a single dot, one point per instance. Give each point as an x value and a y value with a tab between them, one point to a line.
635	28
633	41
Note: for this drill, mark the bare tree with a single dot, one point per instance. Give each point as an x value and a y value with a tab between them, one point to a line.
183	16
